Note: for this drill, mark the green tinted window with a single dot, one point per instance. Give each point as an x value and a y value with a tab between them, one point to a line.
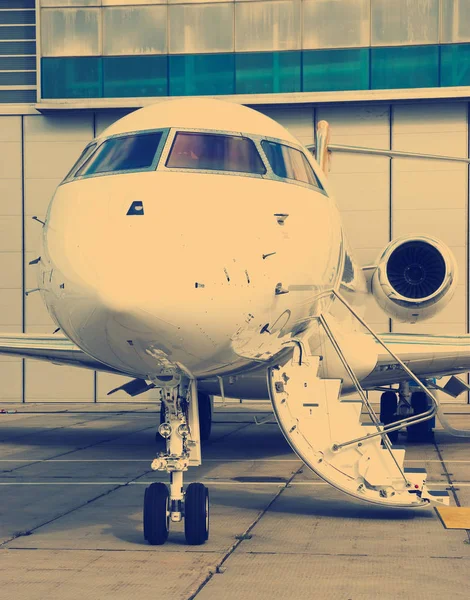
135	76
80	77
455	64
330	70
267	72
201	75
405	67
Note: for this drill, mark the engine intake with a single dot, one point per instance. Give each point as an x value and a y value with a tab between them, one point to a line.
415	278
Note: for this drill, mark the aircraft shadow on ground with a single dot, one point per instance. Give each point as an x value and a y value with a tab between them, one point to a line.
319	503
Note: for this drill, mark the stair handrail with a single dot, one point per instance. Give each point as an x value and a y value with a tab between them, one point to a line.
413	420
324	323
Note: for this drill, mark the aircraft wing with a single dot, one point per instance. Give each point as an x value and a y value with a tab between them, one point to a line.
425	355
56	349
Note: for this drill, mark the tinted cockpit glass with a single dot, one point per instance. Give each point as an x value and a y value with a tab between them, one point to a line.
126	153
84	156
215	152
289	163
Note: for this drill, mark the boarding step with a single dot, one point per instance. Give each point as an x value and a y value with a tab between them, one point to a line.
417	477
318	425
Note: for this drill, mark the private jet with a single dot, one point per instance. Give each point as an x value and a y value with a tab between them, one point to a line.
196	247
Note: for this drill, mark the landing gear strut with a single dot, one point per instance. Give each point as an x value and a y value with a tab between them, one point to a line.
388	412
183	449
421	432
205	416
409	404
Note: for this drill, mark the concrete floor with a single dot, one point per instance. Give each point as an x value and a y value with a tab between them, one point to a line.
72	481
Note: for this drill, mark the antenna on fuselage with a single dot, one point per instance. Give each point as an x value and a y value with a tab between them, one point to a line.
322	140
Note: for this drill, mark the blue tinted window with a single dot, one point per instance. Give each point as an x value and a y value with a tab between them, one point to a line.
329	70
405	67
203	74
455	64
125	153
215	152
135	76
289	163
80	77
267	72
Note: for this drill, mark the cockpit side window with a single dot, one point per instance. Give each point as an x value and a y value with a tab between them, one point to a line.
289	163
215	152
84	156
124	153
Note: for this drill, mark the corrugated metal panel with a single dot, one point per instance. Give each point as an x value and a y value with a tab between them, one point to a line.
17	96
17	17
17	32
17	63
17	51
17	78
18	4
15	48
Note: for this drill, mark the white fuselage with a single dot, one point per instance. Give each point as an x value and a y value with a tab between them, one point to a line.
183	282
216	272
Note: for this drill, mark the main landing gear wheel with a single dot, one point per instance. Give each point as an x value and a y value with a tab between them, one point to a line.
205	416
156	514
388	410
421	432
196	514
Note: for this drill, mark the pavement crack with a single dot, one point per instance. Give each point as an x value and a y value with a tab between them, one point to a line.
452	488
72	510
51	429
45	460
244	536
214	440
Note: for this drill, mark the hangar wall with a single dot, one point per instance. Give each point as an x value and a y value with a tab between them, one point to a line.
379	199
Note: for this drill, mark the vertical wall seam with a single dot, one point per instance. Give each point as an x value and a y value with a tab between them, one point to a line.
23	257
390	189
467	241
95	373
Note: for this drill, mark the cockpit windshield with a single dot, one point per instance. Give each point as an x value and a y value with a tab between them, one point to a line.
84	156
124	153
289	163
215	152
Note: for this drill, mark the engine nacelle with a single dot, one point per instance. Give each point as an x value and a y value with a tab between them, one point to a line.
414	279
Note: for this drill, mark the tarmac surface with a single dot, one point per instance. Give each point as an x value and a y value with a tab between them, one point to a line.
72	480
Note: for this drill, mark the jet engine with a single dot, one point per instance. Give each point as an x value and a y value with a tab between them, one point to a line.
415	278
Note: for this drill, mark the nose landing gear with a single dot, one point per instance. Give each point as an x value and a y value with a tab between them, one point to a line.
205	404
183	449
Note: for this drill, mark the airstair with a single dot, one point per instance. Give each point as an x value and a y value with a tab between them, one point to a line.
326	432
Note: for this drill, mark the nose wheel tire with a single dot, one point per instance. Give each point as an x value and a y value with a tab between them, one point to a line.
156	514
196	514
